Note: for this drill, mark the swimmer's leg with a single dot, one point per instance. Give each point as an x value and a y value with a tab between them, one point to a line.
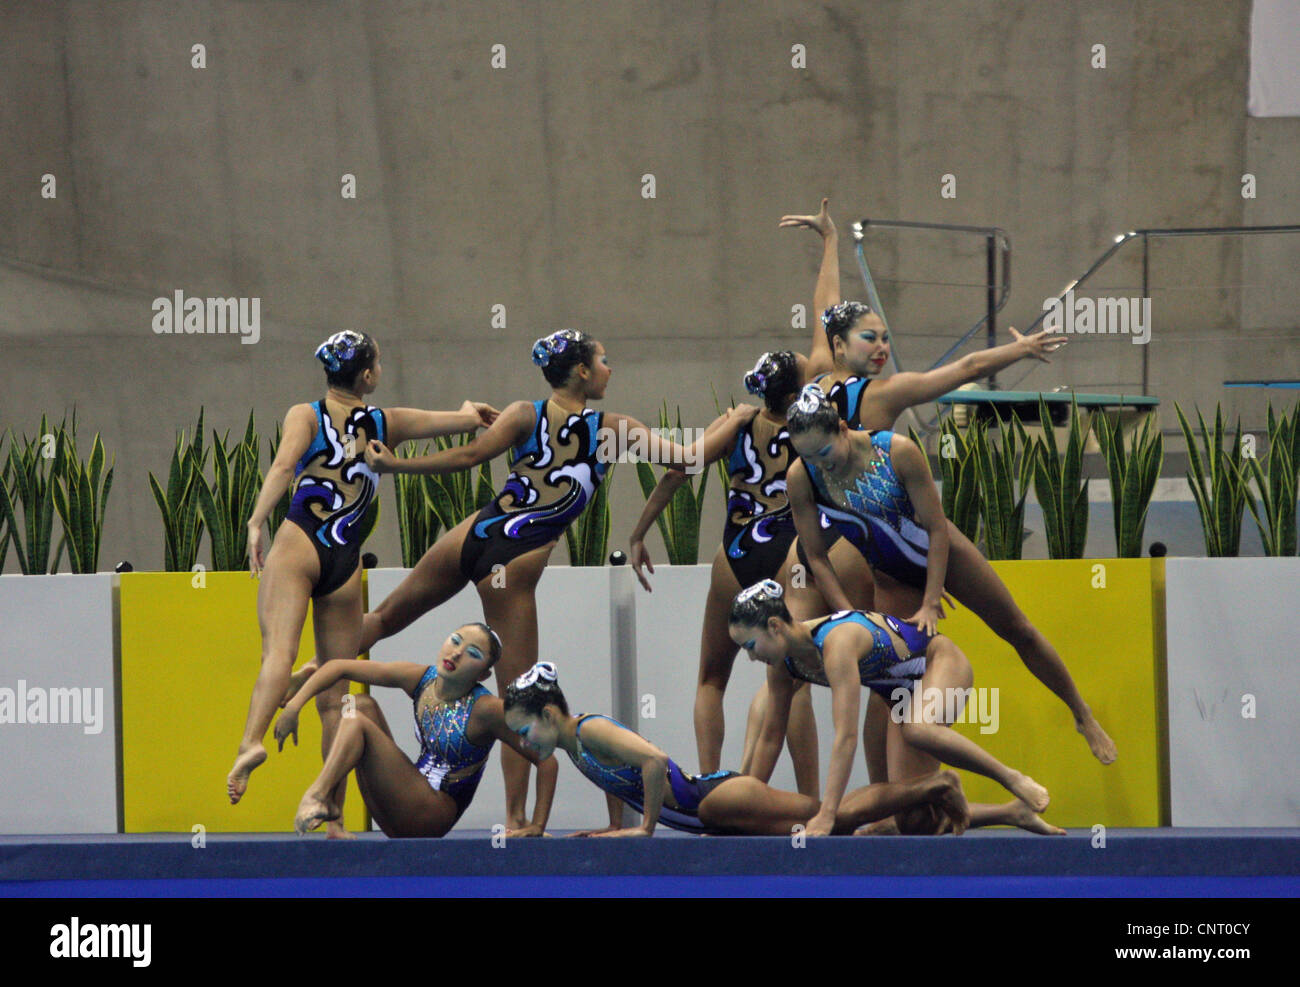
977	585
336	619
283	591
717	655
510	607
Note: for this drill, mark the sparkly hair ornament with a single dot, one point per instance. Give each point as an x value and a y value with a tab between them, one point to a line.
768	588
810	399
841	315
548	347
339	349
757	604
543	671
756	379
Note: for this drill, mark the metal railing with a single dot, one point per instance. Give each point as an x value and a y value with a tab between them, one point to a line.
996	245
1146	236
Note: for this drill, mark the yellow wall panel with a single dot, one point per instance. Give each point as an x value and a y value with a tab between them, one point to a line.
189	659
1101	615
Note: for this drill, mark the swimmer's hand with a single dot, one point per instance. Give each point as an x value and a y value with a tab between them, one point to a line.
485	413
822	222
594	832
742	413
256	556
623	832
532	829
1040	344
287	726
379	457
927	618
820	825
639	557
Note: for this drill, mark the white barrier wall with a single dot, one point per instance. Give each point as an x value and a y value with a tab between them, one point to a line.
573	631
58	705
1234	691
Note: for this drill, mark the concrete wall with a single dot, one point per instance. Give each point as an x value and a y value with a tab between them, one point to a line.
521	186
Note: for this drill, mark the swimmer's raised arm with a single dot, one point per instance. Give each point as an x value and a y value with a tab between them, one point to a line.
827	290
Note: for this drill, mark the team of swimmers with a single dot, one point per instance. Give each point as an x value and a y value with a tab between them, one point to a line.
820	488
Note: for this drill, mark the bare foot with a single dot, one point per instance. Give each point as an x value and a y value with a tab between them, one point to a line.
237	780
337	831
952	801
296	681
881	827
1099	742
1029	791
312	811
1027	819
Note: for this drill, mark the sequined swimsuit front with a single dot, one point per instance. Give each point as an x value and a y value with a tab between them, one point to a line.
445	748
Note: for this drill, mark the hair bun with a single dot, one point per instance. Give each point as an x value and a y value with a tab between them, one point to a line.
543	671
767	587
810	398
756	380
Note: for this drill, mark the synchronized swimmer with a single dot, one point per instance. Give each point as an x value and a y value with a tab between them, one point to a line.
820	485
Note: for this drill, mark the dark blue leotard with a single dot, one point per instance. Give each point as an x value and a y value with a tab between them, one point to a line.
759	525
846	395
553	476
333	486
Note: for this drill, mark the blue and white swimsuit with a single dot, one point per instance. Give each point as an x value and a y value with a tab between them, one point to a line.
879	518
624	782
445	749
882	669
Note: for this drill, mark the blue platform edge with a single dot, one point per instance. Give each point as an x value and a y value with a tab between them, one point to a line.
1128	853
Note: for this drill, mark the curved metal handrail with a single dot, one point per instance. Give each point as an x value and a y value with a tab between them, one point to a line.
1146	235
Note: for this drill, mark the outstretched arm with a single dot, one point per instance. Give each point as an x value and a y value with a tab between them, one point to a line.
807	522
827	290
914	471
415	423
394	674
509	429
898	393
655	448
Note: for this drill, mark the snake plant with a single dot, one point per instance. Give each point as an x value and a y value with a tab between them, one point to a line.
1218	483
1276	483
1132	475
80	499
32	471
1061	487
1004	469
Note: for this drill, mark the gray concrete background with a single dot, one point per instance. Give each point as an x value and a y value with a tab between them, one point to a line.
521	186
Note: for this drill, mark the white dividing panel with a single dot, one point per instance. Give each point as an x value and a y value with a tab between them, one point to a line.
573	631
1233	651
56	665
